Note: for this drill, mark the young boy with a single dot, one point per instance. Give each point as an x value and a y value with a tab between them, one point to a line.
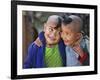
51	53
77	45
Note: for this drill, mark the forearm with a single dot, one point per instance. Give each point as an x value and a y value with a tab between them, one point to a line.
83	58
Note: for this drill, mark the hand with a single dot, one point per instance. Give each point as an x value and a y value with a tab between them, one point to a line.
38	42
77	48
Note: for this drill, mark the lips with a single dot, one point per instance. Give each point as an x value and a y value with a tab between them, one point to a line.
51	38
66	41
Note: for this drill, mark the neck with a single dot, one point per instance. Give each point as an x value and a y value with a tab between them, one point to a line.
50	45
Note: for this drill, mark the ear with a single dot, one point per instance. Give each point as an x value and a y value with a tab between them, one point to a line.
78	35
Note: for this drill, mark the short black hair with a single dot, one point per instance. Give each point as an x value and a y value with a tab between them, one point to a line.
66	20
73	19
57	19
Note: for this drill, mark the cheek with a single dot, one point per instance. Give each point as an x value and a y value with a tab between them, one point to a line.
63	35
58	37
47	33
72	39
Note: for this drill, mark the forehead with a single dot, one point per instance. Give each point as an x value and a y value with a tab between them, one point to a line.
53	20
74	27
68	26
53	25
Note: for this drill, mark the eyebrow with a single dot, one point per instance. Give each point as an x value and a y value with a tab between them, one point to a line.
56	28
53	27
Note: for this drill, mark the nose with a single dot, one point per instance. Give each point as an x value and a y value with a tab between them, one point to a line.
54	33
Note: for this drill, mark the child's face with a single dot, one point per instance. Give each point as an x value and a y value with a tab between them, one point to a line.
52	34
68	35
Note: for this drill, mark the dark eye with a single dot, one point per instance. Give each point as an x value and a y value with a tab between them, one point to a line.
50	29
66	33
61	31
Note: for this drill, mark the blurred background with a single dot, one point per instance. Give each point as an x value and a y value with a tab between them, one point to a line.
33	22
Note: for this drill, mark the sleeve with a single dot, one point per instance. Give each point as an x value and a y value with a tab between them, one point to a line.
40	40
85	59
42	37
87	45
30	60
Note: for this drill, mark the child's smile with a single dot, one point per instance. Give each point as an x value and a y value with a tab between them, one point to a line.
52	38
68	35
52	32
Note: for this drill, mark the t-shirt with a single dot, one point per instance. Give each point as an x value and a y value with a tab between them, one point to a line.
53	57
72	56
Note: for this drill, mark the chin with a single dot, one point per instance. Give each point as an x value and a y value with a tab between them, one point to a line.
52	42
67	44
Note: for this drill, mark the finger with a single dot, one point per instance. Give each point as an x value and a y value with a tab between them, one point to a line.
37	42
40	43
